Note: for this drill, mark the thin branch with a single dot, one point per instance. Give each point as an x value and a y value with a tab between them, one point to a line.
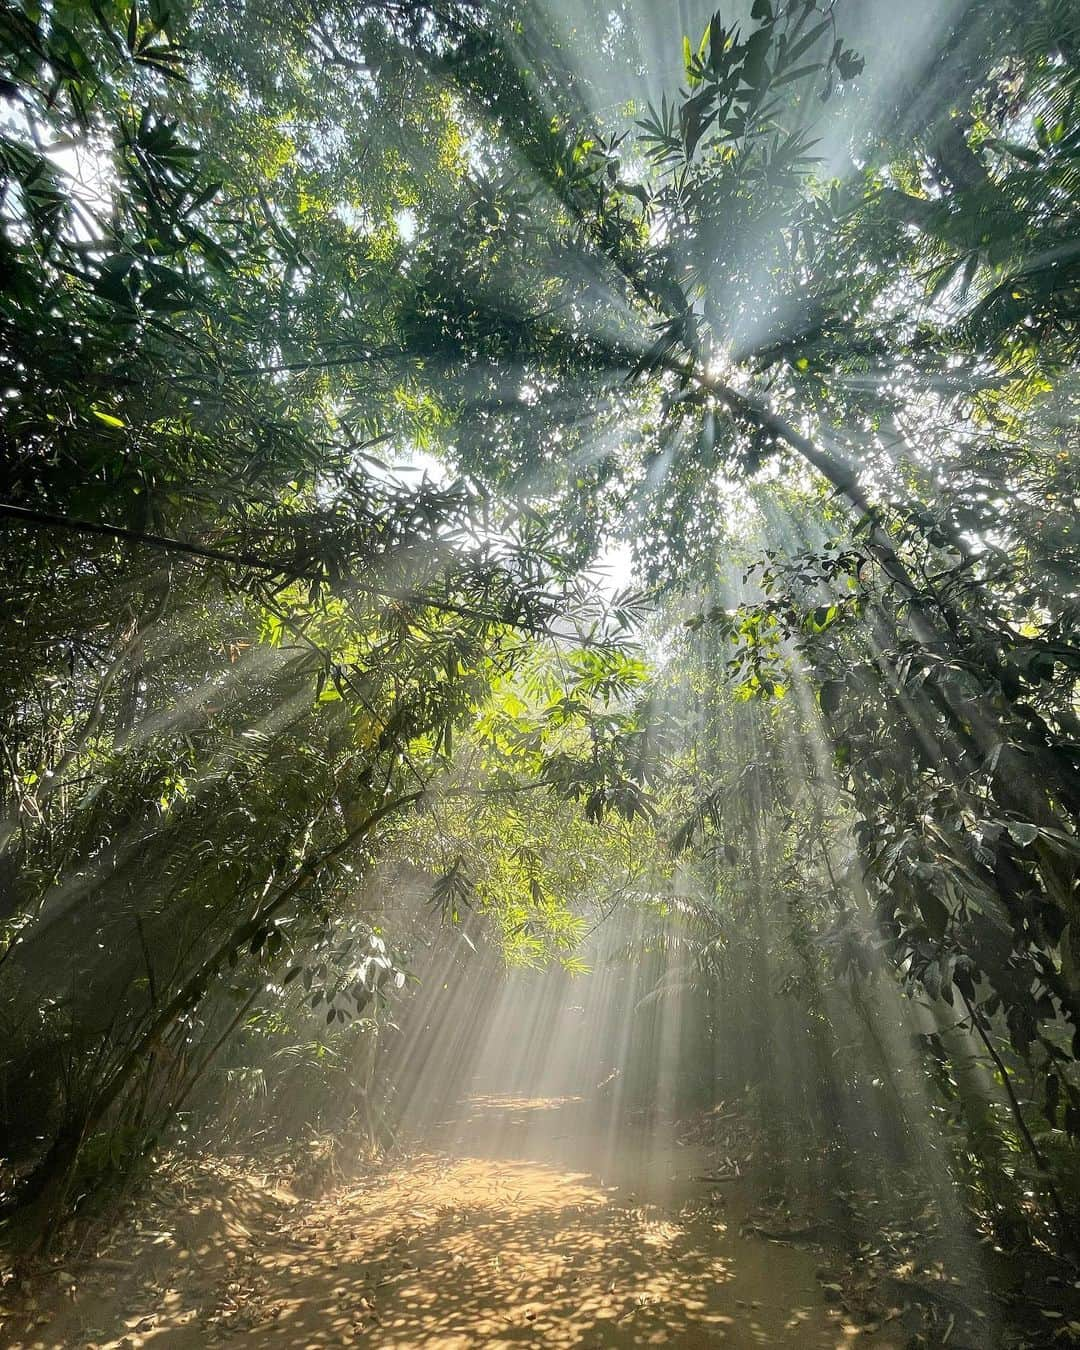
30	516
1068	1231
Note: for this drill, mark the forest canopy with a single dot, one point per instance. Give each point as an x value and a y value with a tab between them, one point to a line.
470	469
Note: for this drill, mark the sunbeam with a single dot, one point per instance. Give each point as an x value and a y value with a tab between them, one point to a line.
540	633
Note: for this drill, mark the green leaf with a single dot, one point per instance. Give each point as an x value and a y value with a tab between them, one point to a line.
804	44
754	68
935	915
717	45
108	418
800	72
822	617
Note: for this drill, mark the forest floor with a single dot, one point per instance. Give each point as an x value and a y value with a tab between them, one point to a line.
515	1222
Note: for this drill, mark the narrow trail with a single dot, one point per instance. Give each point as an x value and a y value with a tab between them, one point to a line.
506	1228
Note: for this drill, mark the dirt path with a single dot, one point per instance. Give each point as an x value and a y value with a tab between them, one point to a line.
455	1247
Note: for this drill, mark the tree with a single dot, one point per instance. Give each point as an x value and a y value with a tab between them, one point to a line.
239	644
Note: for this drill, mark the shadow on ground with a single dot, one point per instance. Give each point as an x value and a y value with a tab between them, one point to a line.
532	1236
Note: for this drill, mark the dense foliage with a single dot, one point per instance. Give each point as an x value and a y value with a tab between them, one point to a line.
279	710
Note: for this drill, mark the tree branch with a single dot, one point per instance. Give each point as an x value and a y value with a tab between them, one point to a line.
30	516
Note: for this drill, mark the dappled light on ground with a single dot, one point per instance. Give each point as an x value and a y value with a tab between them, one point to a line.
453	1250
